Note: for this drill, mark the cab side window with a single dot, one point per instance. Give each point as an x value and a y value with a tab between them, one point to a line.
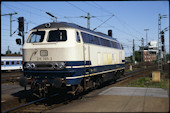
78	37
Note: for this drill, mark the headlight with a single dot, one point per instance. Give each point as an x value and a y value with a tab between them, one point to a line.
55	65
28	65
59	66
32	65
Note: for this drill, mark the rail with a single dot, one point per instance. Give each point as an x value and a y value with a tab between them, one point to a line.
24	105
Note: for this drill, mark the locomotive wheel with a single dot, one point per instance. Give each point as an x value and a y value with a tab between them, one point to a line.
122	73
97	82
118	75
79	89
94	85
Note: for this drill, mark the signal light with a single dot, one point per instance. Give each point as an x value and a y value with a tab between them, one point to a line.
21	24
18	41
162	48
162	39
110	33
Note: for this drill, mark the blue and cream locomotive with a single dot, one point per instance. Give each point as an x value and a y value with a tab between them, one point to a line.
65	56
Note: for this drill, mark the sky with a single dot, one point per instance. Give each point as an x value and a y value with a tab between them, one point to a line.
126	19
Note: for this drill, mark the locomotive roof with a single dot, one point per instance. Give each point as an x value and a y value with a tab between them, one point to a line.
71	25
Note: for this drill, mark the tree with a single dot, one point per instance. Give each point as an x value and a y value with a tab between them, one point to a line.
167	57
131	58
8	52
138	56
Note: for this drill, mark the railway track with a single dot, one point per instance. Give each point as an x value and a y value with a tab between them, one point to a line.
10	77
131	74
136	74
56	100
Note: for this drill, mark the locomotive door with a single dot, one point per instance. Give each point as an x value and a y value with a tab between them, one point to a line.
86	58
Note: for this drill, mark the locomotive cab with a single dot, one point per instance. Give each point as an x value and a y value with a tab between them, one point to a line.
52	45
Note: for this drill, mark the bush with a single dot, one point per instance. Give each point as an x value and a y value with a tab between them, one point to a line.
147	82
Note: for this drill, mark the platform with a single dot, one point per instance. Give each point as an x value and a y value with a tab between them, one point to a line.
121	99
11	94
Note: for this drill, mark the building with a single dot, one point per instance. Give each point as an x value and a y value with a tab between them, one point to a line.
127	60
150	51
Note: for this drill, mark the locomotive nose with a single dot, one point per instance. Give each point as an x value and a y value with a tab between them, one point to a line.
23	82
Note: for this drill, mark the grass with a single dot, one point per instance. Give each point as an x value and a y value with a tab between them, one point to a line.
147	82
127	71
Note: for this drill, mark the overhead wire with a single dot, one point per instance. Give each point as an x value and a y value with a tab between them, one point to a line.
76	7
90	4
4	41
46	11
17	18
8	7
103	22
128	25
38	9
118	29
27	20
32	7
28	11
103	9
72	5
129	49
97	6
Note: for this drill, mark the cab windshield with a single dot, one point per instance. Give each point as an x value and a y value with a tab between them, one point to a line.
53	36
37	36
57	35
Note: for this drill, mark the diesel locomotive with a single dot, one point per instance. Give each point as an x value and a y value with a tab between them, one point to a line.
61	56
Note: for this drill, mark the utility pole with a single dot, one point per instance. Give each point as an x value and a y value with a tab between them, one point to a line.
142	50
160	56
146	36
133	51
163	43
10	14
88	19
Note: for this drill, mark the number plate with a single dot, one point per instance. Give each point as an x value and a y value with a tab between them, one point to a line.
44	58
43	53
